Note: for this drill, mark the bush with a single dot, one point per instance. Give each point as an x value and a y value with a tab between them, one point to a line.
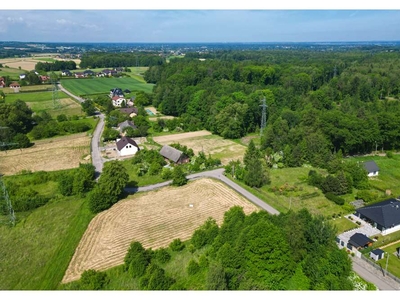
336	199
176	245
162	255
389	154
93	280
193	267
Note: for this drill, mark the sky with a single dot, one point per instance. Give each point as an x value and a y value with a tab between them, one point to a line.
208	23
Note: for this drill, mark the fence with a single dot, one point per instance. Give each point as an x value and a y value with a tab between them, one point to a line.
378	267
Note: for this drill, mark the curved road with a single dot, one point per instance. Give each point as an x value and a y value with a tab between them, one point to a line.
97	160
361	267
217	174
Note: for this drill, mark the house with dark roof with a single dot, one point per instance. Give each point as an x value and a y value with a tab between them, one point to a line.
131	111
384	215
127	146
66	73
377	254
123	125
116	92
174	155
372	168
87	73
359	241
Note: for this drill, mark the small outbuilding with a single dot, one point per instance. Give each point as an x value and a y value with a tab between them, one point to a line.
377	254
174	155
372	168
122	126
359	241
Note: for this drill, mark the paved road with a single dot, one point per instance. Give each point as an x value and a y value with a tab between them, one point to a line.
60	87
217	174
371	274
359	266
97	160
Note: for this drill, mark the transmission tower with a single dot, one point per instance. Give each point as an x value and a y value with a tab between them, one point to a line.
6	207
56	100
263	115
5	203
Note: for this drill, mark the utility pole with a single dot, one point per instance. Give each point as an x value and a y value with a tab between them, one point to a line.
263	116
387	260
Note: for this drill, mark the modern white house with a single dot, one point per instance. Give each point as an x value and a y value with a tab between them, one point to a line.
117	101
372	168
127	146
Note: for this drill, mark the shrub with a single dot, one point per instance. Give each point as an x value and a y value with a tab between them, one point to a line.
176	245
193	267
389	154
162	255
336	199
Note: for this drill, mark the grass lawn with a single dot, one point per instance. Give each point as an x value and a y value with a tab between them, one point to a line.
36	252
389	174
104	85
343	224
393	262
34	96
65	106
135	180
12	72
293	192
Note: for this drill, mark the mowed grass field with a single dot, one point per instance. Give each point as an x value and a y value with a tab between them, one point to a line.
154	219
389	174
223	149
104	85
36	252
52	154
43	101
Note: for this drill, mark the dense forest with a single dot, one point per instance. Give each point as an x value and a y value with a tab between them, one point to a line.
58	65
317	102
111	60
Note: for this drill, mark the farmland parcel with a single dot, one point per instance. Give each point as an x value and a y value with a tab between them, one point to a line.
104	85
154	219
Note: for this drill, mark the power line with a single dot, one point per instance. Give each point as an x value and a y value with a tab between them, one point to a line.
8	210
56	100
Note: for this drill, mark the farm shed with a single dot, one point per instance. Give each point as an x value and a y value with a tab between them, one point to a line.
173	155
384	215
359	241
127	146
126	124
372	168
377	254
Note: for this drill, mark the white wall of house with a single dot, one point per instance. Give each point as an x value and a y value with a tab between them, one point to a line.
128	150
370	174
391	230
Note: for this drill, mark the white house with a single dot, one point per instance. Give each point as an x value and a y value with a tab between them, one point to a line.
127	146
117	101
372	168
377	254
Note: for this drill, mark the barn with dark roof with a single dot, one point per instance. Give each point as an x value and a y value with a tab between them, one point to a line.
173	155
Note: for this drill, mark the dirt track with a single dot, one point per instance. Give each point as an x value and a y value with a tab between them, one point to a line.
154	219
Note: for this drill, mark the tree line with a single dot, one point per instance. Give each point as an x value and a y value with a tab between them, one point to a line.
292	251
317	103
111	60
57	65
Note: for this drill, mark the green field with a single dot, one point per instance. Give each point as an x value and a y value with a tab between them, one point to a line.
34	96
12	72
389	174
104	85
36	252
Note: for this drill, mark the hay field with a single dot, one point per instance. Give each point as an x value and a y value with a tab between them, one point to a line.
47	155
65	106
28	63
154	219
218	147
